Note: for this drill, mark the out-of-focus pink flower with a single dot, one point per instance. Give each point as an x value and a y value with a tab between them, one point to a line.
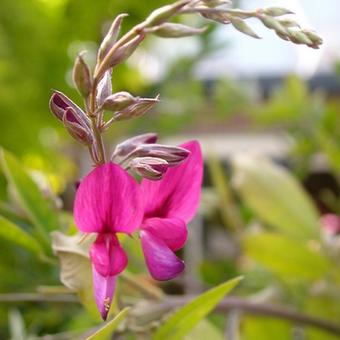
170	204
331	224
108	201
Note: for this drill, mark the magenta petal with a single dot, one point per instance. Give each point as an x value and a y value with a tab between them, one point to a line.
161	261
108	200
173	231
107	255
104	288
178	193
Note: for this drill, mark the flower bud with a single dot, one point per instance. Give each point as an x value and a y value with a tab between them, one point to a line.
104	88
276	11
298	37
172	154
126	50
118	101
171	30
111	37
316	40
164	13
124	148
274	24
288	23
58	105
82	76
241	26
150	167
80	133
141	106
219	17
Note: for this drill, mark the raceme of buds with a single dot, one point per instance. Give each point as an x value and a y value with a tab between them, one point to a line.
58	105
111	37
104	88
171	30
172	154
81	133
126	147
141	106
149	167
118	101
82	76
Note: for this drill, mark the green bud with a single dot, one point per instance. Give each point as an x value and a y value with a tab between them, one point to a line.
313	37
82	76
276	11
274	24
288	23
164	13
241	26
299	37
171	30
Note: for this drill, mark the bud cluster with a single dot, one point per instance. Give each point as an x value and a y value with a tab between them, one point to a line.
102	107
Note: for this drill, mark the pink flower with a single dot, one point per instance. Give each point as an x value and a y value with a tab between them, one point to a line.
108	201
331	224
170	204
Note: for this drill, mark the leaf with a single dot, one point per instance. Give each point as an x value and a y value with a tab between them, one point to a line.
11	232
275	196
205	330
30	197
187	317
106	331
287	257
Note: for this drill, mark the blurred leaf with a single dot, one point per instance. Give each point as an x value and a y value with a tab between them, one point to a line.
16	325
265	329
286	257
36	206
107	330
205	330
11	232
275	196
184	320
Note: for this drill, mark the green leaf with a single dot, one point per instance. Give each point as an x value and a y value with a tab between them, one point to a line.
286	257
11	232
36	206
276	196
106	331
187	317
205	330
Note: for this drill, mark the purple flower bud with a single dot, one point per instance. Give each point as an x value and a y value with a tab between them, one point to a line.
104	88
172	154
141	106
172	30
82	76
81	133
150	167
331	224
59	103
119	101
126	147
111	36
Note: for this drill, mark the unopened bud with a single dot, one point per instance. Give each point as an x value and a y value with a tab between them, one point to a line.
274	24
118	101
126	50
59	103
124	148
298	37
150	167
316	40
219	17
104	88
276	11
214	3
111	37
241	26
164	13
77	131
140	107
82	76
288	23
171	30
172	154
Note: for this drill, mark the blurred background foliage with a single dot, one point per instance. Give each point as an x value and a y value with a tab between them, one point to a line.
257	218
